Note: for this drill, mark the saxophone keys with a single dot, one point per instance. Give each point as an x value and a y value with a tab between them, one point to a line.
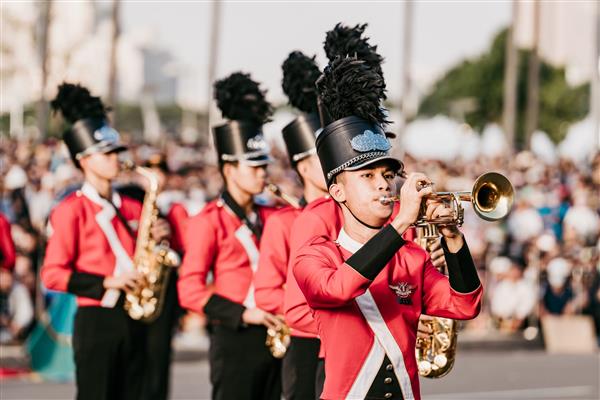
147	293
440	360
149	308
425	368
136	311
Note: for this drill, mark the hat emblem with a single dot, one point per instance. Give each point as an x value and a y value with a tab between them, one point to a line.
370	141
256	143
106	134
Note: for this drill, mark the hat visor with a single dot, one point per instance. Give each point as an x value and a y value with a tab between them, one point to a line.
114	148
395	164
103	148
257	161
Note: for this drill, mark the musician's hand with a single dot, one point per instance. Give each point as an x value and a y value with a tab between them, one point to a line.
453	237
411	197
256	316
128	281
161	230
423	331
436	253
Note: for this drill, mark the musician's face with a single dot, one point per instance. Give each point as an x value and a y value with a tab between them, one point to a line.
361	191
310	170
250	179
102	165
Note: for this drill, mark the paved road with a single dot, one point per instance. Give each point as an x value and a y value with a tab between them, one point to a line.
476	376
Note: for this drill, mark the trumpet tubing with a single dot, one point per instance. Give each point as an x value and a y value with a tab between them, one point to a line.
492	196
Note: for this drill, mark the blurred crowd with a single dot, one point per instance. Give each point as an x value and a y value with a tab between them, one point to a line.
543	259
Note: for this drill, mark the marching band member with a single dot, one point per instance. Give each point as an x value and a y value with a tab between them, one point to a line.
223	240
323	216
90	248
159	333
368	280
299	365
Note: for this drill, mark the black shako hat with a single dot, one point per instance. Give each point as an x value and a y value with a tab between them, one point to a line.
299	136
243	103
87	130
241	141
300	73
90	135
352	143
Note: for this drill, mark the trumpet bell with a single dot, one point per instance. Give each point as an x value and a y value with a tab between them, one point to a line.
492	196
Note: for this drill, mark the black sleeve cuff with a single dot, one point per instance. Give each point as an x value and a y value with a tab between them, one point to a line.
224	312
461	269
86	285
370	259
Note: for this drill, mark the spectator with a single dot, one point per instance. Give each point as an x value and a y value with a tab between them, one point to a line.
513	298
16	308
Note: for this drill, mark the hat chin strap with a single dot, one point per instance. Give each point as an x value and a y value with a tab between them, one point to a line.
359	220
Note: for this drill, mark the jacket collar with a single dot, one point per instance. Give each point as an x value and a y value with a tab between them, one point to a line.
347	242
91	193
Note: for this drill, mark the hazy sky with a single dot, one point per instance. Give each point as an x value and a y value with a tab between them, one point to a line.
256	36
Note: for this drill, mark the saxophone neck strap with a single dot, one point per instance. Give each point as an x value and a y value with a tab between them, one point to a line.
255	227
122	218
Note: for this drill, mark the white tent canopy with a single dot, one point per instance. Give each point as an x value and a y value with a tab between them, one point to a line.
581	142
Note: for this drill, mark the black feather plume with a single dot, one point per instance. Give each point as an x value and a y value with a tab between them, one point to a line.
240	98
349	87
75	102
300	73
344	41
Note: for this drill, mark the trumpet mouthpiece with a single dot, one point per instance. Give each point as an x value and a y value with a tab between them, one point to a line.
385	200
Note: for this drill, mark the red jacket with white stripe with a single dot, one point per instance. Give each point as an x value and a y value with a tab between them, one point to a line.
350	308
270	279
217	241
321	217
87	243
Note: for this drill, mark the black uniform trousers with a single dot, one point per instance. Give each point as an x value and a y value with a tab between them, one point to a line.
158	345
109	349
299	368
241	366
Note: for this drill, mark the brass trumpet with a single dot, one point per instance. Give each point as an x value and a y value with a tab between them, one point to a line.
492	196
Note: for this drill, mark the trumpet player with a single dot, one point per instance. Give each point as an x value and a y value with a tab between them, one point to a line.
368	286
89	254
223	240
299	366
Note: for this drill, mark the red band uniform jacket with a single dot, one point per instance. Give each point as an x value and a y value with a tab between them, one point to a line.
217	241
361	319
87	242
270	279
321	217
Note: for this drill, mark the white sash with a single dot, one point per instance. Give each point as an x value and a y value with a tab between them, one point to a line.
123	262
245	236
383	343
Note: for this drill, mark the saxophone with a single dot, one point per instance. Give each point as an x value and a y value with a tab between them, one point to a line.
435	353
152	260
278	340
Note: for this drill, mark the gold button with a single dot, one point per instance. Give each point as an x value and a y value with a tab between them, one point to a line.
389	367
387	380
388	396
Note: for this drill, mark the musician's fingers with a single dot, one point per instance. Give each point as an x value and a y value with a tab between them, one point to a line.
271	321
